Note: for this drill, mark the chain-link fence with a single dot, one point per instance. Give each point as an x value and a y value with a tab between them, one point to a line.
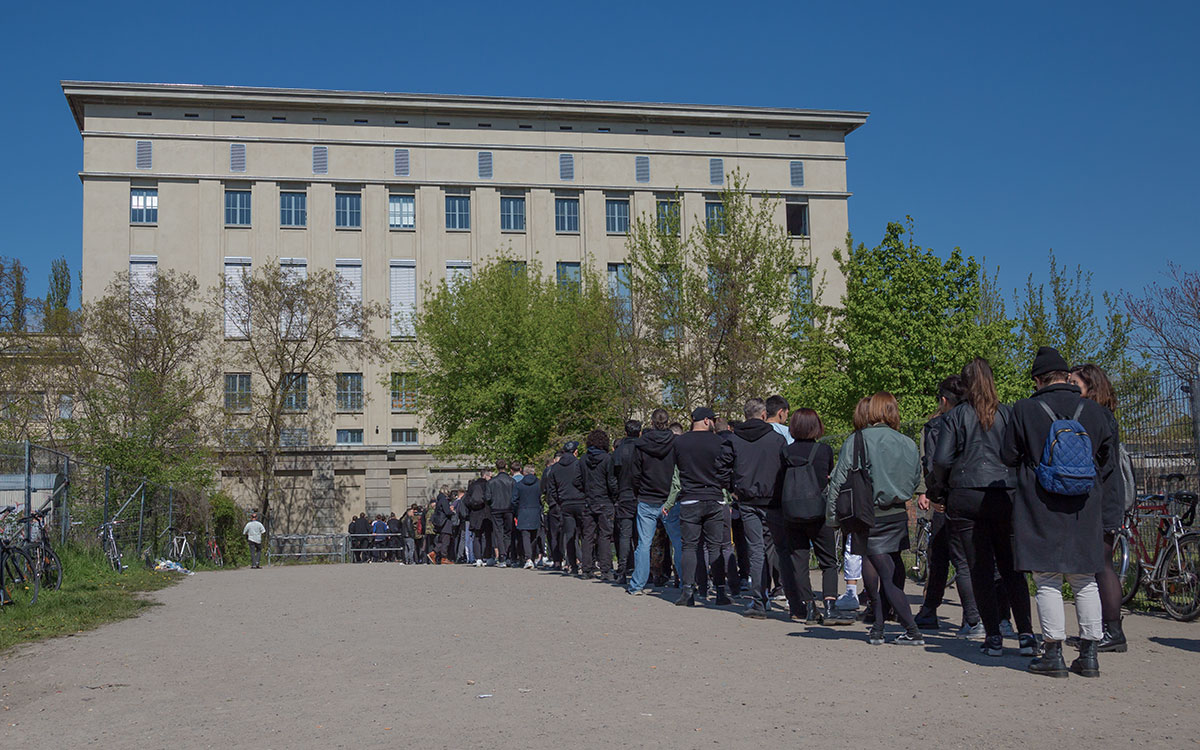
82	496
1158	430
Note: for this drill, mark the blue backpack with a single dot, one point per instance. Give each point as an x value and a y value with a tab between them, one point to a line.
1067	466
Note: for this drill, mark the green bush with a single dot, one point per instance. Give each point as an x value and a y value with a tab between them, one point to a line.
228	520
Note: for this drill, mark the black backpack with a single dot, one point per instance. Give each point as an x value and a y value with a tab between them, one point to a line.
802	498
855	506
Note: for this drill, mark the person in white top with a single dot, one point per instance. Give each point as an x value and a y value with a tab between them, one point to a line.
254	533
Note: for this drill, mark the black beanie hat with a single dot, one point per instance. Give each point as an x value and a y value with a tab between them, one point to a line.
1048	360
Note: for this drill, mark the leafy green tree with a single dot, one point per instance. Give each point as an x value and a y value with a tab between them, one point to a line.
510	363
56	308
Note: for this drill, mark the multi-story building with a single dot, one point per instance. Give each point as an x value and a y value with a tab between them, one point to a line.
397	189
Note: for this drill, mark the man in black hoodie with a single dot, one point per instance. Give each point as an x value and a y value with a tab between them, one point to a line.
600	486
626	501
704	461
652	471
500	491
566	490
757	467
551	531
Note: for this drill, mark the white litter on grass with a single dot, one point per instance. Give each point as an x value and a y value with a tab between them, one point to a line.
170	565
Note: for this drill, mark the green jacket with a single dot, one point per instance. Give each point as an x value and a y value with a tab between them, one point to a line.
673	495
895	468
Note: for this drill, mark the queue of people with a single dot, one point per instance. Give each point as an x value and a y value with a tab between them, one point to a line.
737	509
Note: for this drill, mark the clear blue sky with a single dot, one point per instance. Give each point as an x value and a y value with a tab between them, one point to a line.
1006	130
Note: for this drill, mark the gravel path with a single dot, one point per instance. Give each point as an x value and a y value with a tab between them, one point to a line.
364	656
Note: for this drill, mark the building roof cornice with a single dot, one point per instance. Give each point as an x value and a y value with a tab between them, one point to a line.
181	94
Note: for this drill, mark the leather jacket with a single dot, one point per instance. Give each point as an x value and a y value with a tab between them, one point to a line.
967	456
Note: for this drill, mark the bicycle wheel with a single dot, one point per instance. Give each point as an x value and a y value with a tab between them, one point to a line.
1180	590
217	558
49	566
920	566
114	555
187	556
21	580
1127	568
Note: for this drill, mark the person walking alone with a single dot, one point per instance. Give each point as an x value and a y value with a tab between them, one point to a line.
253	532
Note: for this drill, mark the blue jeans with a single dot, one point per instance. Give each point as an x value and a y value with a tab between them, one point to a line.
647	522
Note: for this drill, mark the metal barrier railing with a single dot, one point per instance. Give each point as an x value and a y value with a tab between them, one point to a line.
334	547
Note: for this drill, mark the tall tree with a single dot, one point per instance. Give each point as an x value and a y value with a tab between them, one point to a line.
1166	319
289	331
56	308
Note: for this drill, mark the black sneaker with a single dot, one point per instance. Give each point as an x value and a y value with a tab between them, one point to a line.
927	620
1028	644
909	639
875	636
993	645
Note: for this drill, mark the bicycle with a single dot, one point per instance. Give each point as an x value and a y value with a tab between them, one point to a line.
920	551
108	542
181	549
214	552
19	579
1153	548
48	566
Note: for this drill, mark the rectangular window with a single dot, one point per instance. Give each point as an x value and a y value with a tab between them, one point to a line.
293	437
295	391
347	210
350	289
237	208
349	391
404	392
716	171
403	288
404	437
143	270
237	391
320	159
667	211
293	315
458	212
802	296
641	168
143	206
144	155
567	274
796	172
237	157
66	406
485	165
237	307
512	214
458	272
714	216
402	212
566	215
400	161
616	216
797	219
566	167
618	287
516	268
349	437
293	209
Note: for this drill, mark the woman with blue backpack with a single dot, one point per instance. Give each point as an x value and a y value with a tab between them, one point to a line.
1065	452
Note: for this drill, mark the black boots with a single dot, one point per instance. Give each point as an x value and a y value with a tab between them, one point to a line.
835	616
814	616
1087	665
1113	640
687	597
1051	663
723	599
756	610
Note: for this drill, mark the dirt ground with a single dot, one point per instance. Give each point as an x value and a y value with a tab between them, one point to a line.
364	656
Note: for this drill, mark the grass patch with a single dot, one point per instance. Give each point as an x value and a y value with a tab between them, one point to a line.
92	594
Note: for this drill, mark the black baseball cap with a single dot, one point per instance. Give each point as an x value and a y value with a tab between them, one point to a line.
702	412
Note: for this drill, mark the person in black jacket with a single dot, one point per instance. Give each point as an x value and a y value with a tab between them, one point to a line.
480	518
705	463
566	489
443	521
794	537
967	460
653	469
757	472
395	543
362	530
527	503
499	491
1054	535
600	487
626	499
551	530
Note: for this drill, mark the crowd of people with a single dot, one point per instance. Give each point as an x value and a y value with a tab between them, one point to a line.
738	508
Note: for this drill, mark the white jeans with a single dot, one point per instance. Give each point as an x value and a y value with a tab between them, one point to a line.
851	564
1052	614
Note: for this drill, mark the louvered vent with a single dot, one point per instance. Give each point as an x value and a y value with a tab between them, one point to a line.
797	170
145	155
485	165
237	157
566	167
320	160
401	166
641	168
716	171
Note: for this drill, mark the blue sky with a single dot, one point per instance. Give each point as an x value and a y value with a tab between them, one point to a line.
1006	130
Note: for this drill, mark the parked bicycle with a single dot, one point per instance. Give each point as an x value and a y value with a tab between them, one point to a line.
181	550
920	566
214	552
1155	549
45	559
19	580
108	542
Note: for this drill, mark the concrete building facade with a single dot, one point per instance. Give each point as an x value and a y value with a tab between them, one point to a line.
396	190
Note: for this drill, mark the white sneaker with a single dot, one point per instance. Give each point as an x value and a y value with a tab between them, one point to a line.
847	602
529	565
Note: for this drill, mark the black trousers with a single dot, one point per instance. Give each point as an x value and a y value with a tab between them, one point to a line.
755	527
445	541
528	542
502	525
988	532
481	540
944	549
597	539
705	517
576	522
793	540
626	544
554	534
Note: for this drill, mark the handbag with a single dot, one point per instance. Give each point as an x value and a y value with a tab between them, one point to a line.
855	504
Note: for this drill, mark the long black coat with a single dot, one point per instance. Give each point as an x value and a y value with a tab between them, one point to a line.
443	515
1055	533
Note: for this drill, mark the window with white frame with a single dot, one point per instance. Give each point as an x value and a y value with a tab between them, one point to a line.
237	306
293	437
295	391
458	272
143	271
404	392
402	212
293	315
350	437
458	212
567	274
350	294
403	293
714	216
405	437
237	208
512	213
566	215
350	391
616	216
347	210
293	209
143	206
237	391
667	211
